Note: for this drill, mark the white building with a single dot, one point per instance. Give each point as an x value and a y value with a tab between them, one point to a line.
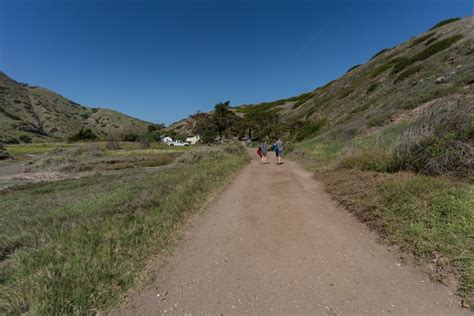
166	139
193	139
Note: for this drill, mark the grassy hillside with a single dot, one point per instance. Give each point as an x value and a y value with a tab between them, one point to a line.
43	115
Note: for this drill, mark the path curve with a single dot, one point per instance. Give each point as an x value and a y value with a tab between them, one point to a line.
275	243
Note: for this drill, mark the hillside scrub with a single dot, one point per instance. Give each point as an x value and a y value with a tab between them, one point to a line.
83	134
79	244
304	130
438	46
4	155
444	22
380	52
440	143
421	39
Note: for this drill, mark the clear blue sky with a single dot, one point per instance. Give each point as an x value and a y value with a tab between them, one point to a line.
163	60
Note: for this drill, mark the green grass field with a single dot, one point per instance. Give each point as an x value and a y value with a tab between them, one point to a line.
75	246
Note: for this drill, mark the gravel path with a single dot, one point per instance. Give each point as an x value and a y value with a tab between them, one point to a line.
275	243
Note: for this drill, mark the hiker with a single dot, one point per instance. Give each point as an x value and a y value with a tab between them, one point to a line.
264	151
278	147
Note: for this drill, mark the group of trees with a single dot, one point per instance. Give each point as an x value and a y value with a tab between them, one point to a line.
153	133
223	122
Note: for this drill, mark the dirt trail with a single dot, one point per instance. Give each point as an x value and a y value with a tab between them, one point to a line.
275	243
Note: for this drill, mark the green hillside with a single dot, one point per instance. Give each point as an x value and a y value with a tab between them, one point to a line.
42	115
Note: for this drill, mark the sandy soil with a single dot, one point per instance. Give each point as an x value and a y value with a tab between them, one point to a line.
275	243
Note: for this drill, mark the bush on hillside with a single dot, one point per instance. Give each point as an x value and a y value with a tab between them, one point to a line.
431	40
441	45
444	22
407	73
83	134
208	136
302	99
130	137
380	52
440	143
304	130
380	69
11	141
353	67
145	143
25	139
4	153
372	87
421	39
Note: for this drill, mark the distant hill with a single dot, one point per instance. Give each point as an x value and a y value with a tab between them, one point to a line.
45	115
394	85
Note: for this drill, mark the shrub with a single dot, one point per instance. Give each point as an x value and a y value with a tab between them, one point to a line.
403	62
4	153
431	40
437	47
380	52
208	136
85	115
145	143
12	140
444	22
304	130
421	39
130	137
83	134
113	141
407	73
380	69
372	87
440	143
353	67
302	99
25	139
346	92
374	158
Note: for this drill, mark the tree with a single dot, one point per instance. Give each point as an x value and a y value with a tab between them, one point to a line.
155	127
261	124
202	122
208	136
224	118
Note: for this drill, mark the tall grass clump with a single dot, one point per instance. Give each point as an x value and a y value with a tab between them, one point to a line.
371	158
440	143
